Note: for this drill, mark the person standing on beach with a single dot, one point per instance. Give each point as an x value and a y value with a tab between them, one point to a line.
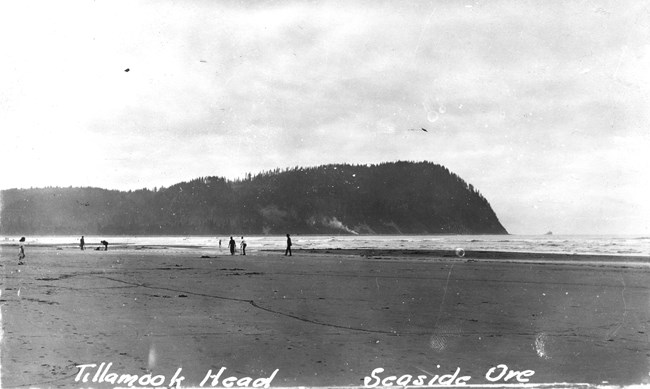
232	245
21	255
81	243
219	244
105	243
242	245
288	250
21	252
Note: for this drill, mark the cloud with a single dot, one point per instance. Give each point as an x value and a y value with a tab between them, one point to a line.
521	99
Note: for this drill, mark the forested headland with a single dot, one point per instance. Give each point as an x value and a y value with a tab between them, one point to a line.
388	198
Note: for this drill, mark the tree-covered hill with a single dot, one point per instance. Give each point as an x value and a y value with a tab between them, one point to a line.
389	198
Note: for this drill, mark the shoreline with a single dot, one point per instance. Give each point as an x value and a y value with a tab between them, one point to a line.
483	255
633	246
364	252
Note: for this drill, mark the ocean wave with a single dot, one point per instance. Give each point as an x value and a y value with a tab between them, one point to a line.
603	245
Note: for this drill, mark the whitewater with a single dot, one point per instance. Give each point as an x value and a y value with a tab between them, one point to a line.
637	245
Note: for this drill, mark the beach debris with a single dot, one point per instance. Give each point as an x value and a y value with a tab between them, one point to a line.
460	252
22	239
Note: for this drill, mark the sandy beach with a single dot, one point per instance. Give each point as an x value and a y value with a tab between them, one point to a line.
321	317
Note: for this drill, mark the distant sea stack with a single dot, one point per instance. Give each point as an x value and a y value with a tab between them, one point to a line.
389	198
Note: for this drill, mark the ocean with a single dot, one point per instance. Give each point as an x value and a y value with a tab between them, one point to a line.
563	244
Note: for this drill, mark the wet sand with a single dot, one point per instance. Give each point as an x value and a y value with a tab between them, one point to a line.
322	318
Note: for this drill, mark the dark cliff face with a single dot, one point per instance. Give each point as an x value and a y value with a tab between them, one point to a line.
390	198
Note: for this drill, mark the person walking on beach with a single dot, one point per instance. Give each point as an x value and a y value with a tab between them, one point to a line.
21	252
288	250
232	245
81	243
242	245
219	244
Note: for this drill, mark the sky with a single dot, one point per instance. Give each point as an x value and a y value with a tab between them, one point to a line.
543	106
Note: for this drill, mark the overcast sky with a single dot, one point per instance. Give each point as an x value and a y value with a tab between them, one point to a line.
543	106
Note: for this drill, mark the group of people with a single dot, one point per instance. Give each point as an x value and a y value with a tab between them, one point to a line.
82	243
232	245
21	248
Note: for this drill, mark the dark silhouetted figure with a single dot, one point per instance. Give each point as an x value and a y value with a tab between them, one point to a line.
82	242
232	244
288	250
105	243
21	251
242	245
21	255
